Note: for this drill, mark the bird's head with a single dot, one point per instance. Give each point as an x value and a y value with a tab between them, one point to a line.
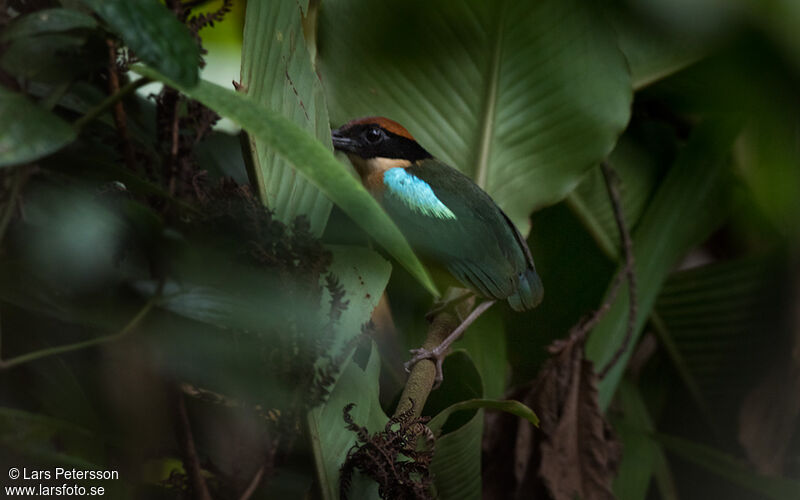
376	144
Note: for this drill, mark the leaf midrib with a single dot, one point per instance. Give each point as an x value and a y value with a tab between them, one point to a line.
489	105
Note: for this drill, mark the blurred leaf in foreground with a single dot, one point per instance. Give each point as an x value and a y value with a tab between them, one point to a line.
154	34
48	21
28	132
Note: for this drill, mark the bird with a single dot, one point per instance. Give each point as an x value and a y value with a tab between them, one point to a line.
447	219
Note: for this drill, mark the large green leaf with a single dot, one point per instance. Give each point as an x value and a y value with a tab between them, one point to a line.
47	21
724	465
485	341
277	72
312	159
28	132
522	96
719	324
363	274
457	462
642	458
688	205
768	157
641	156
654	51
330	438
154	34
508	406
567	256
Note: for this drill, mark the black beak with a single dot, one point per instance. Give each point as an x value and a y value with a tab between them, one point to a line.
343	143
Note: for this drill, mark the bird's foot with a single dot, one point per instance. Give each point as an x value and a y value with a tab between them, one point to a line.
436	355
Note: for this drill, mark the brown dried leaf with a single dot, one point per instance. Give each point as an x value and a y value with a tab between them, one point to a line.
572	454
770	413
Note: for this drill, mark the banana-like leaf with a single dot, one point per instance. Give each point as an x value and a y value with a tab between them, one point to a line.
523	96
485	341
643	458
726	466
28	132
571	258
768	157
277	72
716	322
655	52
363	274
688	205
456	462
312	159
639	162
331	440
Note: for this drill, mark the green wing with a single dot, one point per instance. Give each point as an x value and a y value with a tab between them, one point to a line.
479	245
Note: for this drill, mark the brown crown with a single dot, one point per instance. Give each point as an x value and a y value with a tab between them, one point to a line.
389	125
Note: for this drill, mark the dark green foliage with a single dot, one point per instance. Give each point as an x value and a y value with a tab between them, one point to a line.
123	223
147	295
154	34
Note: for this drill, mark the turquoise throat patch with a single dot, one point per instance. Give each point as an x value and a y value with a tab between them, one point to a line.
415	193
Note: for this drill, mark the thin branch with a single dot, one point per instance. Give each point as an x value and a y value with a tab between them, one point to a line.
20	177
612	184
52	351
253	486
172	166
110	101
586	324
190	460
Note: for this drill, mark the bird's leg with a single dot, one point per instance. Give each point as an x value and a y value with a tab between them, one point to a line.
453	296
438	353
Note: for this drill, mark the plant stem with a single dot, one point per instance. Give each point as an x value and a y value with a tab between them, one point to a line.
110	101
20	176
629	270
191	462
420	380
52	351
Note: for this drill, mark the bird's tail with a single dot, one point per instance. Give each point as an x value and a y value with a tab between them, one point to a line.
529	291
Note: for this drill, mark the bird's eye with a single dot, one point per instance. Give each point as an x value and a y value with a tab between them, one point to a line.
374	135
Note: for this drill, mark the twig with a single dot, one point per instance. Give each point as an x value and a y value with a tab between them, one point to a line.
585	325
190	460
578	332
52	351
629	270
251	488
172	163
20	177
420	380
110	101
